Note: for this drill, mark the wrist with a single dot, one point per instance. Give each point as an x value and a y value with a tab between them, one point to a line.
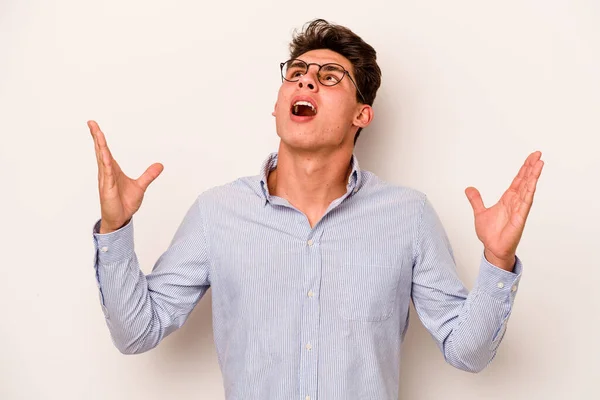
105	228
505	263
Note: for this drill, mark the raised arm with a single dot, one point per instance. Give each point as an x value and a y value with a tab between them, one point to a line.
141	310
468	327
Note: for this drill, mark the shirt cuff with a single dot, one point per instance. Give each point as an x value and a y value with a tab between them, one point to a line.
113	246
497	282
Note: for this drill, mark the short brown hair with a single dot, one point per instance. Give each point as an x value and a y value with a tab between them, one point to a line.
320	34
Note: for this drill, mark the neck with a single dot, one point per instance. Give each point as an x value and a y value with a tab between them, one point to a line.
310	181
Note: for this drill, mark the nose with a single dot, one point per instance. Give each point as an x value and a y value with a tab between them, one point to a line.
309	79
311	86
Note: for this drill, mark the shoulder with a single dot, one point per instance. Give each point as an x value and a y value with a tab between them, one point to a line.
375	188
240	192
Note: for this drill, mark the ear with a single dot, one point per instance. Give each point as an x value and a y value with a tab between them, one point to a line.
274	109
364	117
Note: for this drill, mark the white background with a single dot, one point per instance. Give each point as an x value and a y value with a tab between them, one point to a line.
470	88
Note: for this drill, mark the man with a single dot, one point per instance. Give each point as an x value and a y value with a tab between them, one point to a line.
313	262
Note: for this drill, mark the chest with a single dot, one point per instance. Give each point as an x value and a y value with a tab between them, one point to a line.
354	269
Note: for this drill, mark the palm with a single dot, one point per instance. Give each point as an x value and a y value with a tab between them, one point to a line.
500	227
120	196
122	193
131	194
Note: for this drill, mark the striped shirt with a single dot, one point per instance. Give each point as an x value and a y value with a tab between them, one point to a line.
306	313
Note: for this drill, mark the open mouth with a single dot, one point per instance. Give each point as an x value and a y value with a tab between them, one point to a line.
303	109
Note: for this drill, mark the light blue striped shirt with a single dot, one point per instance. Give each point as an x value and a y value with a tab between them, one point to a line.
306	313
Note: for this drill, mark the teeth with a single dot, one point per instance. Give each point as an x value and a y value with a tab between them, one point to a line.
304	103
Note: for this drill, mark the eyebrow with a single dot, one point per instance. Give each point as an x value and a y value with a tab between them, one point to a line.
333	67
298	63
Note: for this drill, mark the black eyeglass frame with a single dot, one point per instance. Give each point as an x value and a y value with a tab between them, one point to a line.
346	72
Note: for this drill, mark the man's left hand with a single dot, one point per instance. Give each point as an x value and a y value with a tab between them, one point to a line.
500	227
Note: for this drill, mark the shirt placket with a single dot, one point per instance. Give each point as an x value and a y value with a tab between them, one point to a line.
309	356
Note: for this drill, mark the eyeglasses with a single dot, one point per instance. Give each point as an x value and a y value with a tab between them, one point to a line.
329	74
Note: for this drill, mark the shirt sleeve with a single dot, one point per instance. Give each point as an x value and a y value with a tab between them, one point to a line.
467	327
140	310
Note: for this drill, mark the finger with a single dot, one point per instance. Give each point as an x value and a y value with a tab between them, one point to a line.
515	185
108	175
475	199
527	199
104	155
151	173
101	139
110	166
101	155
523	211
532	183
524	171
519	184
93	128
533	171
535	157
531	162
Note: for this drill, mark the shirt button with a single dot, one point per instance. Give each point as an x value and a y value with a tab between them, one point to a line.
310	242
500	285
308	346
310	293
514	288
104	249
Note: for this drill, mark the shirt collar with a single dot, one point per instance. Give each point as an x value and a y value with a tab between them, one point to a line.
270	163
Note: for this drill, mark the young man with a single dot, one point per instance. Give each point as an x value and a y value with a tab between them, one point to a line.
313	262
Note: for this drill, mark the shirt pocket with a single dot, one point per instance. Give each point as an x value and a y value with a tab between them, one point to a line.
366	292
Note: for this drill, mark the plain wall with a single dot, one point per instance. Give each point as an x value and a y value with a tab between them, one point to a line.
470	88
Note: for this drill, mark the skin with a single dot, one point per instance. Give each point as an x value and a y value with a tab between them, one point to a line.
314	165
314	157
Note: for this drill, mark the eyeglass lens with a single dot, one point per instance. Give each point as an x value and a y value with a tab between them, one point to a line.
328	75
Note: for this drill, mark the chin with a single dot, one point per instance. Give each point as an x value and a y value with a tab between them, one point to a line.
301	142
305	137
310	143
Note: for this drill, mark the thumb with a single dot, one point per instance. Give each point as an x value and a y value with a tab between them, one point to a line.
475	199
150	175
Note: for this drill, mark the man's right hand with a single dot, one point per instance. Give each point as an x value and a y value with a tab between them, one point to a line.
120	196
